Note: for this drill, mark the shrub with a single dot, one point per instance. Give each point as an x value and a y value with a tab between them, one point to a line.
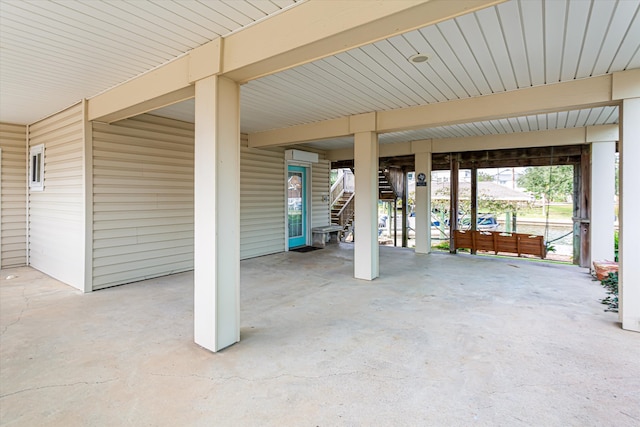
610	283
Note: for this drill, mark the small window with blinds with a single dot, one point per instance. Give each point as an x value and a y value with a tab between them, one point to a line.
36	168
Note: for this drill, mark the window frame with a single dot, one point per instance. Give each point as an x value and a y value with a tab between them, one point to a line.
36	168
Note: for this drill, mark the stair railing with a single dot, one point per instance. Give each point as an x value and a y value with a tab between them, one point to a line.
344	184
337	189
395	178
346	213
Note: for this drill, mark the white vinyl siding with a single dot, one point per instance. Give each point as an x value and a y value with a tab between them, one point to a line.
142	199
56	214
262	201
13	196
320	213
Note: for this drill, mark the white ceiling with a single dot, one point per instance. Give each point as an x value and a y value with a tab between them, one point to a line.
517	44
80	48
54	53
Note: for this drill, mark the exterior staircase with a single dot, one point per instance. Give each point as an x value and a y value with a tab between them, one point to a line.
390	187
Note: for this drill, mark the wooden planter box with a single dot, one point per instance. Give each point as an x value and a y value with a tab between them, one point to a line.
495	241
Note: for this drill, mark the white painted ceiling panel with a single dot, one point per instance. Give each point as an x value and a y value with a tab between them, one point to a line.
532	28
512	33
494	38
553	32
615	34
54	53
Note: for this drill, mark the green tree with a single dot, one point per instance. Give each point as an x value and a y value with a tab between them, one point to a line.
484	177
549	183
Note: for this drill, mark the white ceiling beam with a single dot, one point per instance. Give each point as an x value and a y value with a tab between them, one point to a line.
626	84
169	78
577	94
572	95
312	30
165	100
318	29
297	134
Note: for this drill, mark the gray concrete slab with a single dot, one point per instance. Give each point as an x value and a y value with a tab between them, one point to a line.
437	340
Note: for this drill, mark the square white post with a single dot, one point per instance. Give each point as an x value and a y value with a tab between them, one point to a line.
217	213
629	251
423	202
366	251
603	171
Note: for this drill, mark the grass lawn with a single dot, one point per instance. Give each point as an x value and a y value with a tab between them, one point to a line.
559	211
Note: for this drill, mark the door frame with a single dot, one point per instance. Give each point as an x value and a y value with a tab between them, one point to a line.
307	201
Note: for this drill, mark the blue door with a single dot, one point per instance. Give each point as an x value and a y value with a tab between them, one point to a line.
297	206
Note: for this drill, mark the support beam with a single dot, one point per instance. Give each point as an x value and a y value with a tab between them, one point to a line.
150	105
585	207
454	168
322	28
325	28
474	202
405	209
366	251
603	171
575	94
122	100
423	202
217	213
629	248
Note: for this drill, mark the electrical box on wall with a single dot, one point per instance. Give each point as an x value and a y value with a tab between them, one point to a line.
301	156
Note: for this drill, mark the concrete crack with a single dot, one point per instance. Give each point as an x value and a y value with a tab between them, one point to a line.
26	306
57	385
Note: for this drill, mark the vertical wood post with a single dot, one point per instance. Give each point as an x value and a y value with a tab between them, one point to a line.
454	167
395	222
576	214
405	209
474	203
585	211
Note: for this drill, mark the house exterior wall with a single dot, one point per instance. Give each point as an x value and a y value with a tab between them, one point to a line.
13	196
262	201
56	214
320	187
142	199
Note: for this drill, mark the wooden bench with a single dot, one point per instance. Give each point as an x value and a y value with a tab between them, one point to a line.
497	241
326	234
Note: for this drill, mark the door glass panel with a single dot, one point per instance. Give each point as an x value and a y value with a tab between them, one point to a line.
296	206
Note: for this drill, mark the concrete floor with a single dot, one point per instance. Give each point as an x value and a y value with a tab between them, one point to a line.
438	340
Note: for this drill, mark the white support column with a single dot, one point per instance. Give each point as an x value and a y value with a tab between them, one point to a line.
217	213
366	251
603	171
629	250
423	202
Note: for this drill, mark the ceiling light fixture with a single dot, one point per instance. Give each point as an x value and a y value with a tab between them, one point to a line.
418	58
